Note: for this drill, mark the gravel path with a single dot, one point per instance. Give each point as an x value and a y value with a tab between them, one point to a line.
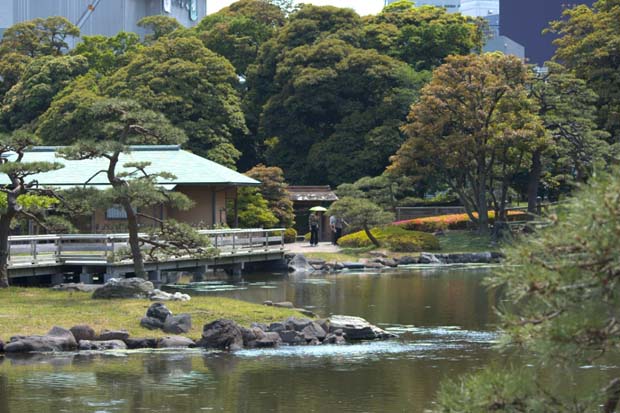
305	247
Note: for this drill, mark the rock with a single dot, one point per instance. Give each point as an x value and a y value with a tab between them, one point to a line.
353	265
276	327
292	337
297	324
261	326
106	335
125	288
268	302
251	335
269	340
284	304
388	262
57	339
338	266
375	265
334	339
158	311
299	263
151	323
158	295
178	324
407	260
428	258
356	328
83	332
314	342
223	335
102	345
313	330
324	323
136	343
175	342
87	288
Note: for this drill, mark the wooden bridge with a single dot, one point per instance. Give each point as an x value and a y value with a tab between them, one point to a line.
89	255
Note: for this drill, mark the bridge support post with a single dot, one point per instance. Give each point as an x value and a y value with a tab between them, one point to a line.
155	278
57	278
235	270
86	277
199	274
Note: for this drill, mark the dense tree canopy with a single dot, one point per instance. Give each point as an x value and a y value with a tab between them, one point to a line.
42	79
107	54
190	84
588	44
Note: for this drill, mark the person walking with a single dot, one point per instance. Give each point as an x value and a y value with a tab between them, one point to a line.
336	223
313	221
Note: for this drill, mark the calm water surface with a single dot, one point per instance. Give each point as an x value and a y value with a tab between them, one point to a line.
444	318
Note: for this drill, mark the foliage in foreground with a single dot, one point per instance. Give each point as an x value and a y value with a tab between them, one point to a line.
394	238
561	286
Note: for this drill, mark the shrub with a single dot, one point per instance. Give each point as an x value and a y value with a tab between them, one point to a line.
290	235
450	221
393	237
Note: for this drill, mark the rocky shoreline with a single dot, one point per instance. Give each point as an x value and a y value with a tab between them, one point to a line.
220	334
299	263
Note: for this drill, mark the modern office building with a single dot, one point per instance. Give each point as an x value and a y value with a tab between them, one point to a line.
106	17
525	20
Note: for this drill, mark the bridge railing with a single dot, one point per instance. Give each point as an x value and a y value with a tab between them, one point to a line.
106	248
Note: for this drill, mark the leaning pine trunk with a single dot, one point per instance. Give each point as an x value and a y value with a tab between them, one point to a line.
134	242
372	238
5	228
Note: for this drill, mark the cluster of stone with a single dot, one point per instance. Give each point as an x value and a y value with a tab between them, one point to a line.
220	334
84	338
228	335
135	288
299	263
159	317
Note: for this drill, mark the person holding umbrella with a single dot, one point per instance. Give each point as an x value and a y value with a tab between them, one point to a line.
313	222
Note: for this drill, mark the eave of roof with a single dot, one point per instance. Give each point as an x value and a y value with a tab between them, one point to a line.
189	169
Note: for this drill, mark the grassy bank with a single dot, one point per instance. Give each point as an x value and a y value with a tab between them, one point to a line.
36	310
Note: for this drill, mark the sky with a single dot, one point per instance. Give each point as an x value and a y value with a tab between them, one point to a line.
362	7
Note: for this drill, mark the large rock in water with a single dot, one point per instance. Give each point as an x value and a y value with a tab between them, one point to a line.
102	345
223	335
125	288
299	263
57	339
175	342
356	328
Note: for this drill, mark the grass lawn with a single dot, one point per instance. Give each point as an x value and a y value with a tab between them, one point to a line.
466	241
36	310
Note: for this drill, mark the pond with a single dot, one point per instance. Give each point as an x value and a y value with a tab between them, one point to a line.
444	318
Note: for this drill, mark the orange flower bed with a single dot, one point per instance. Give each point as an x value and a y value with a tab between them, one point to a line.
450	221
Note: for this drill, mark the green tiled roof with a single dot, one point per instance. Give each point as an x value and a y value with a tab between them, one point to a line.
188	168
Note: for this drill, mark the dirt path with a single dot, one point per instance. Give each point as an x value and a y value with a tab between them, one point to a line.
305	247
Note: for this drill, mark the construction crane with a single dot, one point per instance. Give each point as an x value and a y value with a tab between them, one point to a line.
89	10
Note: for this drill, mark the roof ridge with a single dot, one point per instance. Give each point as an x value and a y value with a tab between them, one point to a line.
134	148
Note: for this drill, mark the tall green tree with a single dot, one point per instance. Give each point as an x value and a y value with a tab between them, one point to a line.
20	195
108	54
560	289
104	128
588	44
473	128
254	211
237	31
567	109
42	79
159	26
273	189
421	36
191	85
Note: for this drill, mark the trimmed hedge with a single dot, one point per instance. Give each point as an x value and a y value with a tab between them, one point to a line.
290	235
395	238
450	221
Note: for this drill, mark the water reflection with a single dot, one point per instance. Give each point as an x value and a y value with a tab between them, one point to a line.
444	320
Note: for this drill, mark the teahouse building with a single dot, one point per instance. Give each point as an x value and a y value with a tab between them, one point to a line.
210	185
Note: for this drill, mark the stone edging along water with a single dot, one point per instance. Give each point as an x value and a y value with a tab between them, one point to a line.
299	263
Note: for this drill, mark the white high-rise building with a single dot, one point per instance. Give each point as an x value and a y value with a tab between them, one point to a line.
479	8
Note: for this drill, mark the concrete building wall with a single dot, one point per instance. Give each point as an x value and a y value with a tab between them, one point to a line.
108	18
